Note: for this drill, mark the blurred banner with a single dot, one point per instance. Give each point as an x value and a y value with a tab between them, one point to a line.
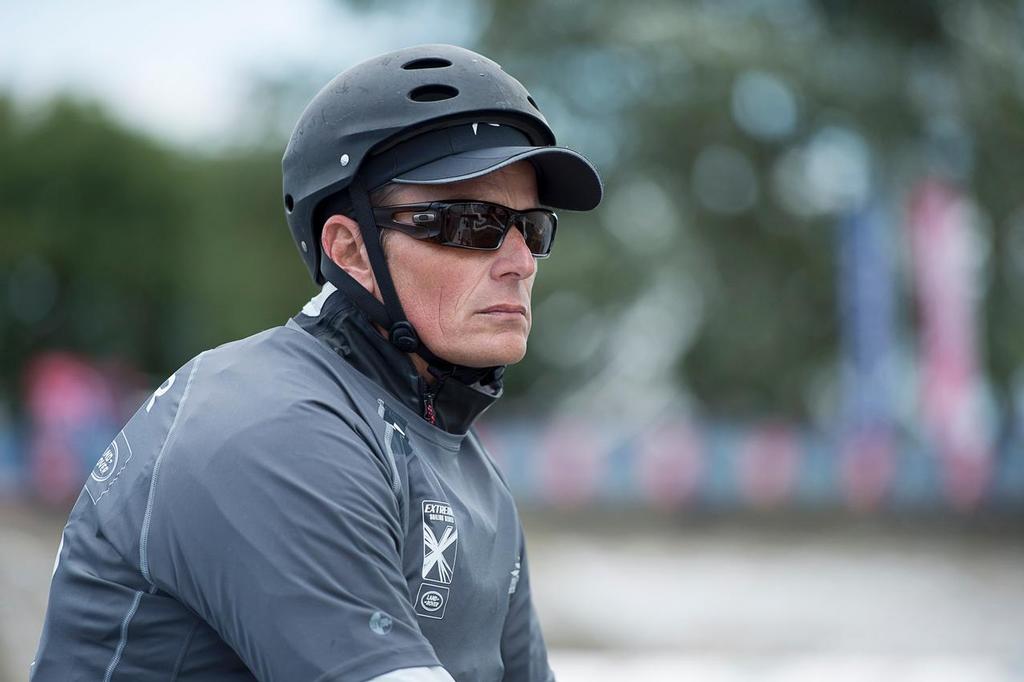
946	275
74	406
866	308
686	465
676	462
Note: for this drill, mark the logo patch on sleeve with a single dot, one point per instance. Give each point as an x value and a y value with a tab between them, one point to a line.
440	542
109	466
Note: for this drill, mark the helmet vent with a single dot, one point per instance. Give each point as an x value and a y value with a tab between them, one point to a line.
529	98
432	93
426	63
289	203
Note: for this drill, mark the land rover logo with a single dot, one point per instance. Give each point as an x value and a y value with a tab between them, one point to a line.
106	464
431	600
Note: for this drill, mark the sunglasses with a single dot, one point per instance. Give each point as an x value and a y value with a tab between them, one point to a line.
478	225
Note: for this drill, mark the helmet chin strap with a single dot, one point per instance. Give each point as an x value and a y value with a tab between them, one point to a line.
388	314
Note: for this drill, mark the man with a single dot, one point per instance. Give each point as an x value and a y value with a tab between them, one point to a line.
311	503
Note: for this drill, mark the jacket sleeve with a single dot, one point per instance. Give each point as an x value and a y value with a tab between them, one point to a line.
282	532
415	675
522	645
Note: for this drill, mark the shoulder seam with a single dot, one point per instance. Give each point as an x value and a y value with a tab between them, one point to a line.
144	535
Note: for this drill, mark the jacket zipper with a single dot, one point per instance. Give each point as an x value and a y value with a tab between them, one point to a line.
428	408
429	393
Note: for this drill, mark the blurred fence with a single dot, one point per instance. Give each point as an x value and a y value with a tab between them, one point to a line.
674	461
681	463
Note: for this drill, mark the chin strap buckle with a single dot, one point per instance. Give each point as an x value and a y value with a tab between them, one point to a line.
403	337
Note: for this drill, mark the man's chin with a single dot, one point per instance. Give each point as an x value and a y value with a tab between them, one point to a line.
490	354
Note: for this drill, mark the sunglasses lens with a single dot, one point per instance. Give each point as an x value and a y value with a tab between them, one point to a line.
483	226
538	228
477	226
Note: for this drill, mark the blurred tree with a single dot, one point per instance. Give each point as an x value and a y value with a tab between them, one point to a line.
761	123
91	217
119	248
731	135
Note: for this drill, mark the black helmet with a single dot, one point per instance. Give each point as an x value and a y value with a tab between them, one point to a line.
425	114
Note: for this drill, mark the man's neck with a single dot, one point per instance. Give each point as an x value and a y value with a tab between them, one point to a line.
458	397
422	368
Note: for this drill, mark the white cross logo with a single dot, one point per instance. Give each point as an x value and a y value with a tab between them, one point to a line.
433	552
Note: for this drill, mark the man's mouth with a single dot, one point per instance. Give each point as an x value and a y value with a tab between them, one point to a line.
505	309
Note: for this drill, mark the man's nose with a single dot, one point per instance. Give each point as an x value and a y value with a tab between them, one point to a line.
514	257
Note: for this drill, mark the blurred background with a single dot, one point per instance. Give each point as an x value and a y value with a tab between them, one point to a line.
771	424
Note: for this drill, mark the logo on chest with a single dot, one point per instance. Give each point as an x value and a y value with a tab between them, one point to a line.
440	549
440	542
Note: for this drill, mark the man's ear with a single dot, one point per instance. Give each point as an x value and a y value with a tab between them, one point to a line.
343	243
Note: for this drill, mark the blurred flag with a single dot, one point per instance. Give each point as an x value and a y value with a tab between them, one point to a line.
866	303
946	282
770	456
73	411
669	462
572	462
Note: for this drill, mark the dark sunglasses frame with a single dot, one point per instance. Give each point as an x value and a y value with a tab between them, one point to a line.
428	221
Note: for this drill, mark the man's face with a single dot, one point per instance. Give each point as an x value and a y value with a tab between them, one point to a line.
469	307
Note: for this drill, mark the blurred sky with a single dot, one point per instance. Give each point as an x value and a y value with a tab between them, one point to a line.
184	69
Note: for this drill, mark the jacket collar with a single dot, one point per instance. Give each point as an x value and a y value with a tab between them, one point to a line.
456	399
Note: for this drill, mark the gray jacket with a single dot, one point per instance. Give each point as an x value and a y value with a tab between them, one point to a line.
280	510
